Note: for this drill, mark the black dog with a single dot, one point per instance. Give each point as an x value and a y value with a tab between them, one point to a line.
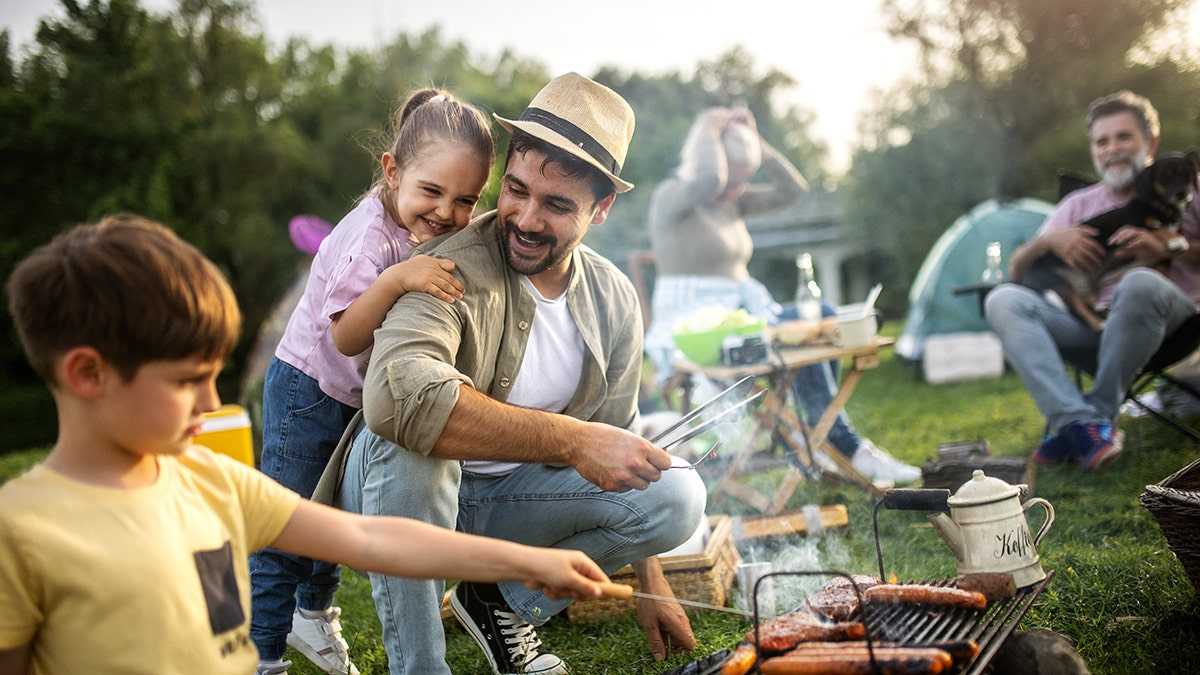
1164	190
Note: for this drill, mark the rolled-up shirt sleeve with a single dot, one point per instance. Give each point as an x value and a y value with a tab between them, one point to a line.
412	383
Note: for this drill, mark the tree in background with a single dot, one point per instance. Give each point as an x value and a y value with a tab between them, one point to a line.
999	107
188	119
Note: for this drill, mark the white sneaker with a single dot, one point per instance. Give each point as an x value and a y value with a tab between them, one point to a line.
878	465
320	640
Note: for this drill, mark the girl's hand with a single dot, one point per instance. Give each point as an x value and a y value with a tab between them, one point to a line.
427	274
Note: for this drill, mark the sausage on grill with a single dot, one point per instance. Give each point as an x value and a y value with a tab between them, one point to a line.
853	659
740	661
927	594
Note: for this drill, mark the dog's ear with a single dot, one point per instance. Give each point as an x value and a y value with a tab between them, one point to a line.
1143	182
1193	157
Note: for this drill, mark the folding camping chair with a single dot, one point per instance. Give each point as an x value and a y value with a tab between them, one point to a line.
1175	348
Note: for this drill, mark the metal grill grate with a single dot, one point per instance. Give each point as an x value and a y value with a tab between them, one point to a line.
918	624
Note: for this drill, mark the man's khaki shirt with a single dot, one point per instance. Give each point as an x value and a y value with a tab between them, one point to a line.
426	348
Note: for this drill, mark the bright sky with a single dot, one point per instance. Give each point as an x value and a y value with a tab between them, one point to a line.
837	51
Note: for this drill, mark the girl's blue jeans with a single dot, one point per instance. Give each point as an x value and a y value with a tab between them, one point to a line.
301	428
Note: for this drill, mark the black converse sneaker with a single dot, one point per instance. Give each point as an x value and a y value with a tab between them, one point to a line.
509	642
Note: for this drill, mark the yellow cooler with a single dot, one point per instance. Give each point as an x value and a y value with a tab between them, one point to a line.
227	430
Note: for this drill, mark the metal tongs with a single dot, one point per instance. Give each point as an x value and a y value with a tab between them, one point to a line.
728	406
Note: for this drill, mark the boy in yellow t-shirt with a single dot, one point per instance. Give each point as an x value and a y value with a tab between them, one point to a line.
125	550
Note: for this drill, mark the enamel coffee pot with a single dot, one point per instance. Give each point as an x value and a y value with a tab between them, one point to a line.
988	532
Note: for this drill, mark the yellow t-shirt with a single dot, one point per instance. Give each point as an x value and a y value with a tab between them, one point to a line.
151	580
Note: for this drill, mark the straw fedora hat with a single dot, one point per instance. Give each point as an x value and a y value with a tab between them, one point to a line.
584	118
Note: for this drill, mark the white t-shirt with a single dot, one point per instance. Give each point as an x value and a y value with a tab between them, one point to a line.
550	370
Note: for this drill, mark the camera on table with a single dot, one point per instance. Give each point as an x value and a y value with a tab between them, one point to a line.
742	350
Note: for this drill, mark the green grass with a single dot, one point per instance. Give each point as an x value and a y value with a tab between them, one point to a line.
1118	591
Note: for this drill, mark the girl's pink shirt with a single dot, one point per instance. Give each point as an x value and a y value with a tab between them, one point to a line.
363	244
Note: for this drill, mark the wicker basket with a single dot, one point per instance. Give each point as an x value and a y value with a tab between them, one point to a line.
703	577
1175	504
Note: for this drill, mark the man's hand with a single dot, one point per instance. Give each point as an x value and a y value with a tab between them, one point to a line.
1141	244
667	627
1077	246
617	460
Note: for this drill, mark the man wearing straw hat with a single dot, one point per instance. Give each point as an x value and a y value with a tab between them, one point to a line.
502	413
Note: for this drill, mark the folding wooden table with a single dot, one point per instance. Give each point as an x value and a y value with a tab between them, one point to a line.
775	413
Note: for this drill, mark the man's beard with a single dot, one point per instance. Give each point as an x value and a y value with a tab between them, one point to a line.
1122	177
553	253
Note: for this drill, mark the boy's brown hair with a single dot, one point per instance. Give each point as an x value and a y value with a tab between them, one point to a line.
127	287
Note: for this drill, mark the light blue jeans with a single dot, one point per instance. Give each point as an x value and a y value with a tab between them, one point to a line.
301	427
1039	340
814	387
537	505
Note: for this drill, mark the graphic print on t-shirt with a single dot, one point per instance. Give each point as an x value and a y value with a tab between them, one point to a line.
215	568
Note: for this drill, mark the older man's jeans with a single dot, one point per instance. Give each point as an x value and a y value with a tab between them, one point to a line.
537	504
814	388
1039	339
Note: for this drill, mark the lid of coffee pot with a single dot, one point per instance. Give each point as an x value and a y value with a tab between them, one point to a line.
983	489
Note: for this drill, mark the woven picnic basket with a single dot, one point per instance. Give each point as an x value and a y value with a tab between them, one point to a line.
1175	504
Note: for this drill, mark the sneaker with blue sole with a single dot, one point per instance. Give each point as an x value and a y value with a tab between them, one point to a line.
1055	448
1096	445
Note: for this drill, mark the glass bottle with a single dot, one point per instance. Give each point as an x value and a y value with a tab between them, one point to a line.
808	293
993	273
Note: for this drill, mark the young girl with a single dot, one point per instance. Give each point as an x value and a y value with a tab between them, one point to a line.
432	177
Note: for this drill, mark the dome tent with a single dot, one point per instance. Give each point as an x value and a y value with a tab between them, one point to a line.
957	259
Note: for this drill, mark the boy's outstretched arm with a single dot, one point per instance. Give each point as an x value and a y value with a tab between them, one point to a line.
404	547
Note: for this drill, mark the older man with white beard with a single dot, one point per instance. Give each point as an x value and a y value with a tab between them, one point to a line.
1143	305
